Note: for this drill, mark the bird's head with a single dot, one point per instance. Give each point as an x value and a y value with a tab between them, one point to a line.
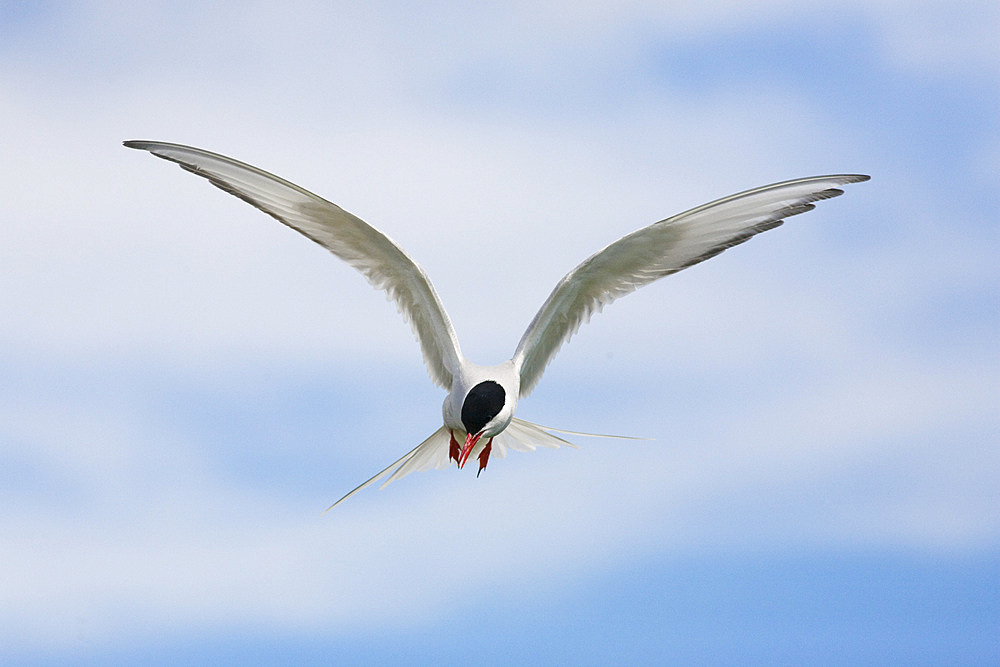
485	412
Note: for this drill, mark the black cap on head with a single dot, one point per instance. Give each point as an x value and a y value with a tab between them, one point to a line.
483	403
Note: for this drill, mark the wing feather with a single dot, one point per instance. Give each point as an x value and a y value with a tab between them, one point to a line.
383	263
659	250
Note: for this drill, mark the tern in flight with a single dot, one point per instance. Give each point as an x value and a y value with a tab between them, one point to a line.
479	409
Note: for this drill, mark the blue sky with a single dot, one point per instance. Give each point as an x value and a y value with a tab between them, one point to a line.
185	384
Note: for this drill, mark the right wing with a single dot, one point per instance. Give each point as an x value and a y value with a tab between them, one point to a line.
350	238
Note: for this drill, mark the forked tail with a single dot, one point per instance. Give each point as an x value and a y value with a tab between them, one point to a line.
520	435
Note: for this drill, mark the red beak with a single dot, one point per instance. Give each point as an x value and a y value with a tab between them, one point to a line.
470	442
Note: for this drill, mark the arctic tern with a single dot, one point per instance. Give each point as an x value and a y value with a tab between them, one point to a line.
479	409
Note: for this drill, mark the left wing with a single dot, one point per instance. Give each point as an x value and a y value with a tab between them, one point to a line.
658	250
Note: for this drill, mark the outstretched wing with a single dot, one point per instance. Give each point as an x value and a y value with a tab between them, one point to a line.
662	248
350	238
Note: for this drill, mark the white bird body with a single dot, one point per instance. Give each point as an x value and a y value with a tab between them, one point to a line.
478	412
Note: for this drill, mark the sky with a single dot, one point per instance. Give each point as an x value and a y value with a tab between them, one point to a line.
185	384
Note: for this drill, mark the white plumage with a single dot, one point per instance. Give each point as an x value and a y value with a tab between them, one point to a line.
481	401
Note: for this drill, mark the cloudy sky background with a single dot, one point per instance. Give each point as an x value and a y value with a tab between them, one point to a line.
185	384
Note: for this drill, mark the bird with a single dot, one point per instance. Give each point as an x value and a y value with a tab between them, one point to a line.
478	411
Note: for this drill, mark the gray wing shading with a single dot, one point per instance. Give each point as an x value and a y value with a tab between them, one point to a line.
656	251
378	258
